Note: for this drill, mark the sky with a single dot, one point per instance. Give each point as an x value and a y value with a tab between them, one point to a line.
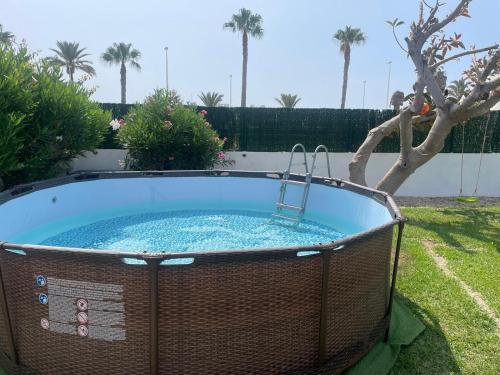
296	55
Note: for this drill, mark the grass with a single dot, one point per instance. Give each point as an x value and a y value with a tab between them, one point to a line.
460	338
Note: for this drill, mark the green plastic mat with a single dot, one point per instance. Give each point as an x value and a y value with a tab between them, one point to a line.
403	331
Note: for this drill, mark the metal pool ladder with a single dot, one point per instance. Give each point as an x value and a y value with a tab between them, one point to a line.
284	210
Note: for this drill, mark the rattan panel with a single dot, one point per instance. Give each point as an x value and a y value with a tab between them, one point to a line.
250	317
357	298
57	353
3	333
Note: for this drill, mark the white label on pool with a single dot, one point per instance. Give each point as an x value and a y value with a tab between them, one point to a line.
90	310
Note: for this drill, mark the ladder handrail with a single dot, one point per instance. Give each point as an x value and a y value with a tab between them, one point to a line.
327	159
298	145
281	204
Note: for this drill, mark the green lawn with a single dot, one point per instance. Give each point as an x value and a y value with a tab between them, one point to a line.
460	337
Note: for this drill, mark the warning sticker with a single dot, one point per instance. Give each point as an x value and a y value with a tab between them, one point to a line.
40	280
82	304
83	331
82	318
44	323
89	310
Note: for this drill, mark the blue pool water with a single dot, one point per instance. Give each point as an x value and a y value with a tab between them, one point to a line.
192	230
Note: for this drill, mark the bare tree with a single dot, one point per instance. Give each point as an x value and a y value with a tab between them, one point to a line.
427	46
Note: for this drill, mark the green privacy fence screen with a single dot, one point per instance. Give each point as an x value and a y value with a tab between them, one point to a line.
278	129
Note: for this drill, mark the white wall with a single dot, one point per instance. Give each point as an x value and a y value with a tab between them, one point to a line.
439	177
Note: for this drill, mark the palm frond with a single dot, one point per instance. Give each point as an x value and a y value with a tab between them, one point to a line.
135	65
288	100
230	25
246	22
70	56
6	37
349	36
211	99
122	53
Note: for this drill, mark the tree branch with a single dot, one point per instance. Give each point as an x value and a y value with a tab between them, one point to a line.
357	166
432	28
480	88
433	9
425	74
490	66
458	55
480	109
492	84
405	137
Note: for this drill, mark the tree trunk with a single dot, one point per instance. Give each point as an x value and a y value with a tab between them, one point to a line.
416	157
70	71
347	60
123	82
244	73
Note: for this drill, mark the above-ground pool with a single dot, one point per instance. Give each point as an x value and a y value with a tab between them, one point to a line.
189	273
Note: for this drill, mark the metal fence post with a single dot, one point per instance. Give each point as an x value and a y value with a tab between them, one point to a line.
6	316
394	275
323	324
153	279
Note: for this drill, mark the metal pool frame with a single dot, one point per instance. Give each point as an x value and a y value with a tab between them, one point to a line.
241	311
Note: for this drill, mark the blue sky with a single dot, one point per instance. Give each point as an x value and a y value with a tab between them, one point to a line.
296	55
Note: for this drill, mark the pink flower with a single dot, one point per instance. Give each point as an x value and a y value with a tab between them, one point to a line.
203	113
121	121
168	109
221	155
207	123
224	139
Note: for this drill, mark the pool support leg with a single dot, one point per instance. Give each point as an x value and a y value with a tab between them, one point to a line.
324	307
401	226
12	355
153	279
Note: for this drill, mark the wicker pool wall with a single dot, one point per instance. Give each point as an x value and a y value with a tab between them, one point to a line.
265	311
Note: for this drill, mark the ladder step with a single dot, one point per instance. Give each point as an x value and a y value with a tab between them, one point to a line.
286	217
289	206
293	182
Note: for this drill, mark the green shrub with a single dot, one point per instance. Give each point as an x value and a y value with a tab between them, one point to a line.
44	121
163	134
16	102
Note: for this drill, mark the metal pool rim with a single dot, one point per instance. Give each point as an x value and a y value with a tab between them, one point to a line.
377	195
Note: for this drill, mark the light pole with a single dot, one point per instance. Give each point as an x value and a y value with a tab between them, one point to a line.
230	90
364	92
166	68
388	83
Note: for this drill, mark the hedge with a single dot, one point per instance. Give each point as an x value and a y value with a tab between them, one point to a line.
278	129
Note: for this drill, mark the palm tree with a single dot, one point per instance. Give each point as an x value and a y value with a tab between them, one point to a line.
288	100
459	88
70	56
122	53
348	37
211	99
248	24
6	37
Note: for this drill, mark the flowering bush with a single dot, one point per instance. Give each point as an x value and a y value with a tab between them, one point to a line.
44	121
163	134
